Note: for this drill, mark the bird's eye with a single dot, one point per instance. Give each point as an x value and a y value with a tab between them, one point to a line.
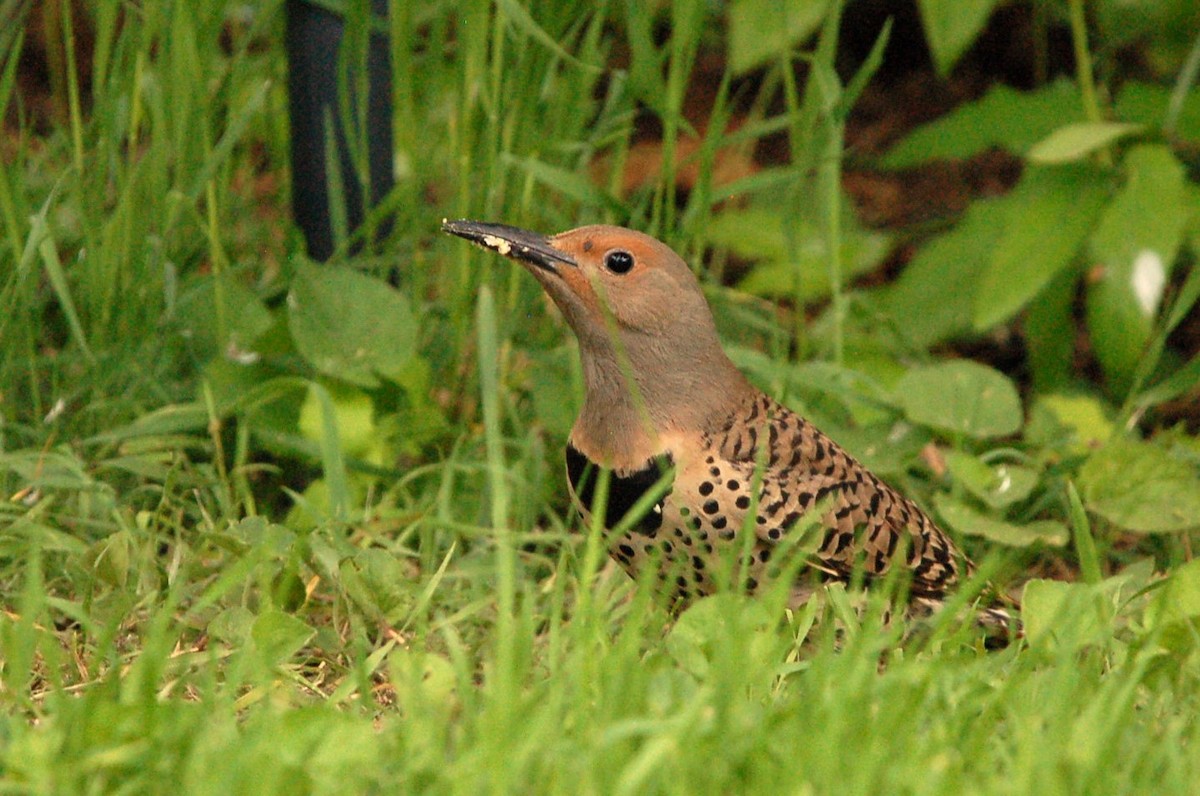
618	261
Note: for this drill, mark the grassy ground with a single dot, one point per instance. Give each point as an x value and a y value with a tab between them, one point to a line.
233	561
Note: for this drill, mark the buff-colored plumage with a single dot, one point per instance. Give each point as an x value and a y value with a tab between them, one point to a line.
661	393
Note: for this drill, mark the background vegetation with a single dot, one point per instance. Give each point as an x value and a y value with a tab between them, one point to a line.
270	525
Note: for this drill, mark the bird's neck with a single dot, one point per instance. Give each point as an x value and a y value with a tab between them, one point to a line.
633	414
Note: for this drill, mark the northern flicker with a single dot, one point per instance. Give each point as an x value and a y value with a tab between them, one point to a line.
662	396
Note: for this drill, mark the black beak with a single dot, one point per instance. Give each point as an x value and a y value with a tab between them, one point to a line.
514	242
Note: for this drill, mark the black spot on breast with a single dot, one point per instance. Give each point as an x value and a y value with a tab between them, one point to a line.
743	502
710	507
705	488
623	490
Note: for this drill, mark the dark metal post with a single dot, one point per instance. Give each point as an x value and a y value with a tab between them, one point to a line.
313	39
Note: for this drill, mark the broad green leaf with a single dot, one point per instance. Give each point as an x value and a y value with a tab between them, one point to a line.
1049	330
214	302
348	325
278	636
1179	599
109	559
257	393
971	522
1135	244
1004	117
996	485
233	625
1083	418
422	681
357	431
257	533
863	397
1057	614
883	448
761	30
1077	140
1141	487
758	235
951	27
377	582
698	634
1052	211
961	397
933	299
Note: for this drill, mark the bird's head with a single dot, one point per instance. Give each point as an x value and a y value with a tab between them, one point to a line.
606	280
637	310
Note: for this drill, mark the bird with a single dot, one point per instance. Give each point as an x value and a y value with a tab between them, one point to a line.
722	471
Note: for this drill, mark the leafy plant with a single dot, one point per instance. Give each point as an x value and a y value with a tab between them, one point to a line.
305	525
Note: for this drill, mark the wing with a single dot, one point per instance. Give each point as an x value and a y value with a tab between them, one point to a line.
865	523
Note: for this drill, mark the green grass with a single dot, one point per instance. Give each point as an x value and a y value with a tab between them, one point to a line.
221	574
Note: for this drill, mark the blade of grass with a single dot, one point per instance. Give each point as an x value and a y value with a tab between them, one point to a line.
1085	543
40	236
497	479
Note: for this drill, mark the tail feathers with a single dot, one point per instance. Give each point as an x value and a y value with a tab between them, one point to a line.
1000	626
